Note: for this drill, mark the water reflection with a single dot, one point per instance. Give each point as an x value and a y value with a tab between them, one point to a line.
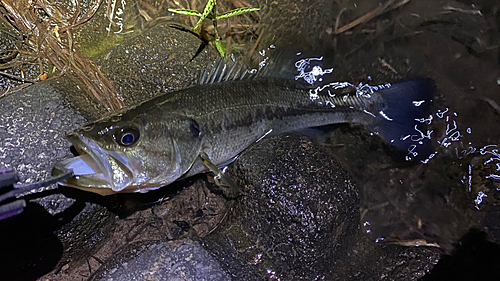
434	198
453	141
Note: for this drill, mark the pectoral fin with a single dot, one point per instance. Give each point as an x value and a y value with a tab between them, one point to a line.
228	186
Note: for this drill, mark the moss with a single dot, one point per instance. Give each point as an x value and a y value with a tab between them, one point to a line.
94	49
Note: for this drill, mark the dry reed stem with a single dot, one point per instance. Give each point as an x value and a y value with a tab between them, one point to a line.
388	6
52	39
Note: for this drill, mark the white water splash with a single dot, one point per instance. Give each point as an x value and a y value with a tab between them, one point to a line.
310	76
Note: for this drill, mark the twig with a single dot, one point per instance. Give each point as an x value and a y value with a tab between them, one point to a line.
15	89
336	27
8	58
15	77
388	6
250	53
90	13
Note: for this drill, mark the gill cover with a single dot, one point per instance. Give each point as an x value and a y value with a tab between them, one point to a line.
183	139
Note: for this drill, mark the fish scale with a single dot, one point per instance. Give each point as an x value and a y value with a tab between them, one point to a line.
178	134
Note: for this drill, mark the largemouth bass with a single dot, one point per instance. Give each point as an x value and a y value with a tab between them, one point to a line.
204	127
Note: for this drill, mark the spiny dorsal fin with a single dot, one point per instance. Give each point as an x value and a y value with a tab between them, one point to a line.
226	69
282	63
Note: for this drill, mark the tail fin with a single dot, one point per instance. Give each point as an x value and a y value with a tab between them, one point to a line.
402	121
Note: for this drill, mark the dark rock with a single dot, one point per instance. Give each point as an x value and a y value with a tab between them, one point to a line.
299	220
35	119
158	61
161	260
300	204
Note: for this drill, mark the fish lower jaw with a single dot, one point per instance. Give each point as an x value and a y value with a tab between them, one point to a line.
87	174
109	191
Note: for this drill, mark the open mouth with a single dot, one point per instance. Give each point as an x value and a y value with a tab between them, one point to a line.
95	167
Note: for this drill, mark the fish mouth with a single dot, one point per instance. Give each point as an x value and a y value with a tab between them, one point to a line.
95	167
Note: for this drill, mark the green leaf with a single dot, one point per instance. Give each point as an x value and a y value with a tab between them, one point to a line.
208	9
186	12
236	12
219	47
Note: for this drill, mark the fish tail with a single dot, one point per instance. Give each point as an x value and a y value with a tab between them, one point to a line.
402	121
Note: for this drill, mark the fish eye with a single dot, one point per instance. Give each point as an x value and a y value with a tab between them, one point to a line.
127	136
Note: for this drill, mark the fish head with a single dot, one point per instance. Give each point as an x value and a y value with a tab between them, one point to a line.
129	153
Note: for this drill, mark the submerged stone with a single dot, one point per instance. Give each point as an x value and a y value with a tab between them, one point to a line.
299	220
298	215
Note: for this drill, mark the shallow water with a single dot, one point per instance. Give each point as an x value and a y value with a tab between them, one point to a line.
406	198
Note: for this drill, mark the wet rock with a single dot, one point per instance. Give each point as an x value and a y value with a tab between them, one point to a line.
159	60
36	118
161	260
155	217
299	220
34	121
299	206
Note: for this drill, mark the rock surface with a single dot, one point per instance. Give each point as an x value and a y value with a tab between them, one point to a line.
161	260
299	220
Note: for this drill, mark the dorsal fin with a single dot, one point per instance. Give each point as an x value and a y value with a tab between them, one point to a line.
282	63
226	69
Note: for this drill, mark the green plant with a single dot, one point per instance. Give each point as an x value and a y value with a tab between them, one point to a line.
209	12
